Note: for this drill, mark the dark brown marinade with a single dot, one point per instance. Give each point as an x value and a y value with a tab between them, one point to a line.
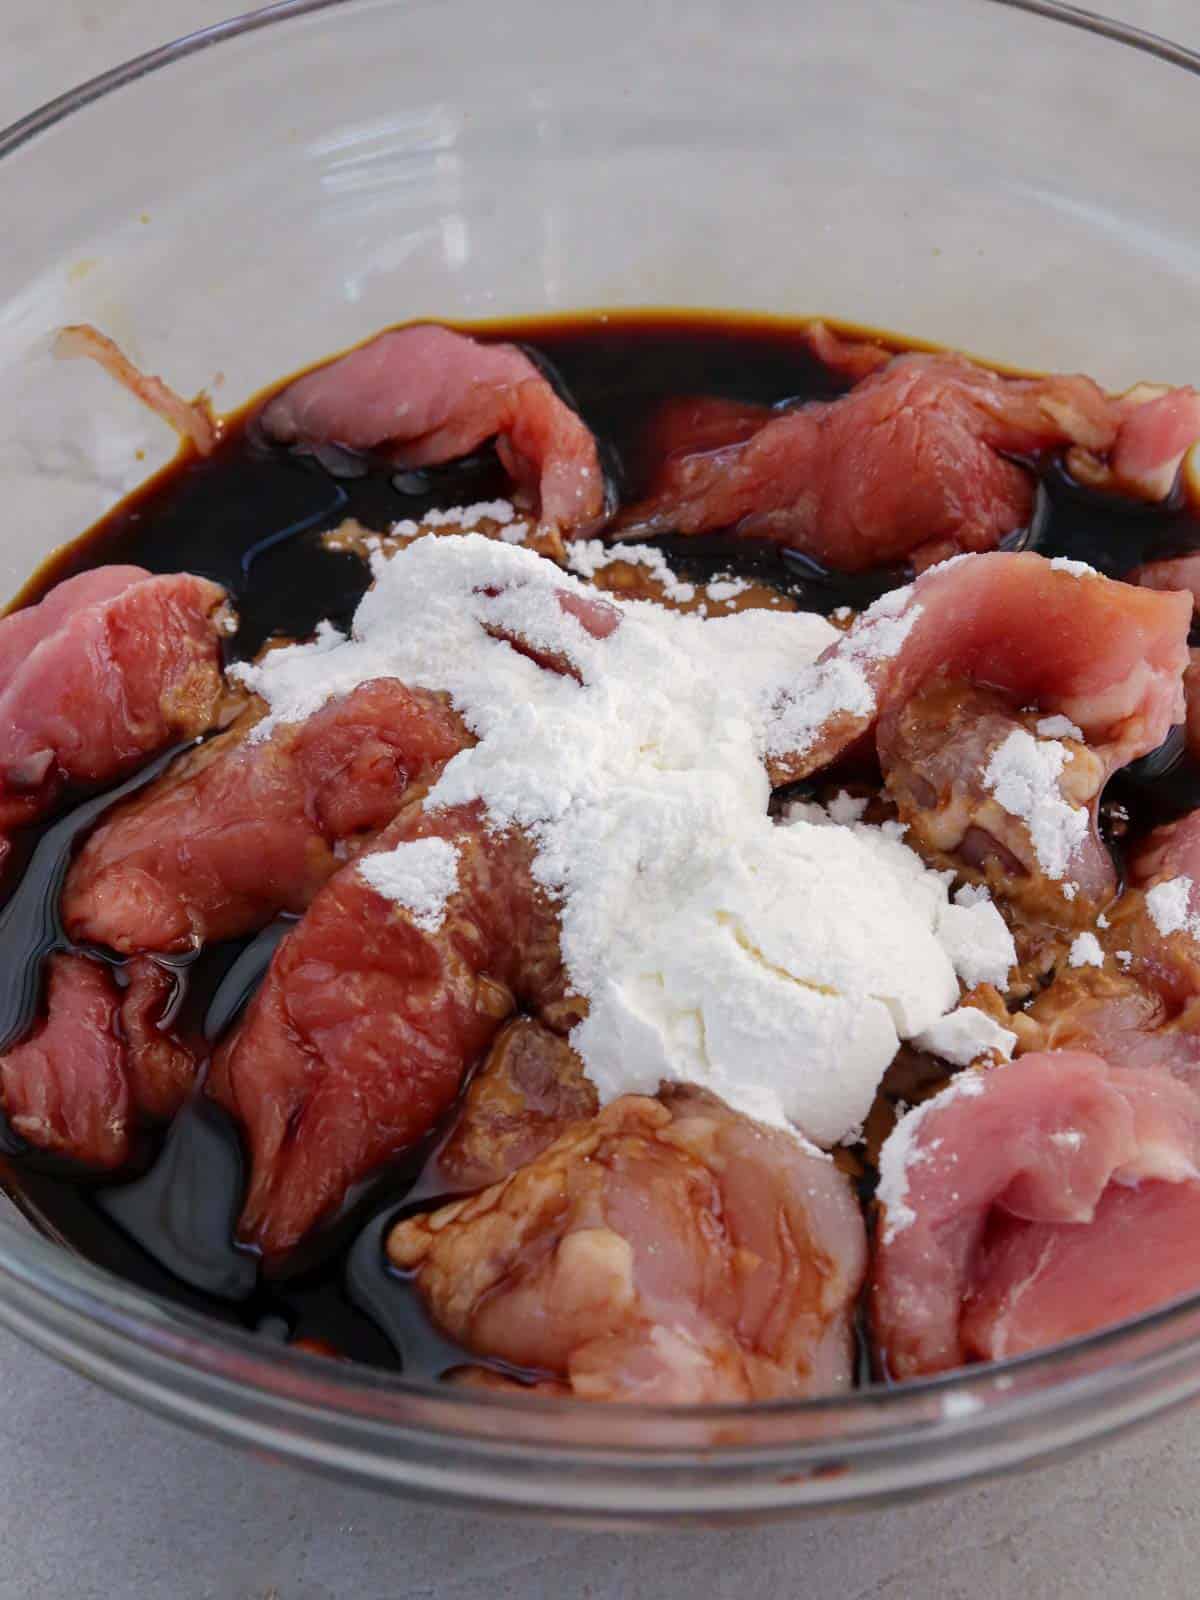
252	516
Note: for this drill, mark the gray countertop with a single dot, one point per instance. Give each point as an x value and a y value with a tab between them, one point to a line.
100	1500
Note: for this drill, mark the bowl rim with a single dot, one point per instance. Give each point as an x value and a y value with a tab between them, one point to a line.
372	1424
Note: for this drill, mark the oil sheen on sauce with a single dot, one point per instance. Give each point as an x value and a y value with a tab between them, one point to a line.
252	517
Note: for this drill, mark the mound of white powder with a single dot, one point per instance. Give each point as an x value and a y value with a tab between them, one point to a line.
779	966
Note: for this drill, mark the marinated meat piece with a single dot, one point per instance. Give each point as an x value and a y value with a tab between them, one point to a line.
160	1066
1106	655
668	1251
1141	1007
242	830
937	750
22	631
1028	1149
430	395
110	667
190	419
1156	427
359	1037
853	359
531	1087
65	1089
908	464
1038	1281
104	1060
1177	572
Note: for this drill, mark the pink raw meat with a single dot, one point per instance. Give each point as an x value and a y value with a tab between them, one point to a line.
911	463
1039	1140
242	830
110	667
431	395
1108	656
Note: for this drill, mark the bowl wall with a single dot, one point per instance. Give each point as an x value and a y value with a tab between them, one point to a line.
973	173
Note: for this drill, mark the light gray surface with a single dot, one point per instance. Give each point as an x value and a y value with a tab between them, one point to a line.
97	1499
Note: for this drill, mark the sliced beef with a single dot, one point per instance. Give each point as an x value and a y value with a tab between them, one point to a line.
244	829
359	1037
667	1251
429	395
112	666
912	463
101	1062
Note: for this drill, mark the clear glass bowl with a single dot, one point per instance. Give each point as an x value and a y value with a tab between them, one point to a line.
1013	179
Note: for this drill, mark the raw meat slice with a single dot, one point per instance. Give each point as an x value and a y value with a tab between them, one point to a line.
242	829
64	1089
1038	1280
911	463
110	667
100	1063
1106	655
359	1037
1039	1140
430	395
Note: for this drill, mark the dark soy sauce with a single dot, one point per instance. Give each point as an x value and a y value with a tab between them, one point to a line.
252	517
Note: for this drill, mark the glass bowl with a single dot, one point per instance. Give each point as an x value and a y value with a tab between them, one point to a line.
1011	179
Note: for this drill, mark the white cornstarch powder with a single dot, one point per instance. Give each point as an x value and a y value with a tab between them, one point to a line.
1085	951
901	1151
1077	569
778	965
587	557
840	686
1058	727
419	875
962	1036
1169	905
1023	774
